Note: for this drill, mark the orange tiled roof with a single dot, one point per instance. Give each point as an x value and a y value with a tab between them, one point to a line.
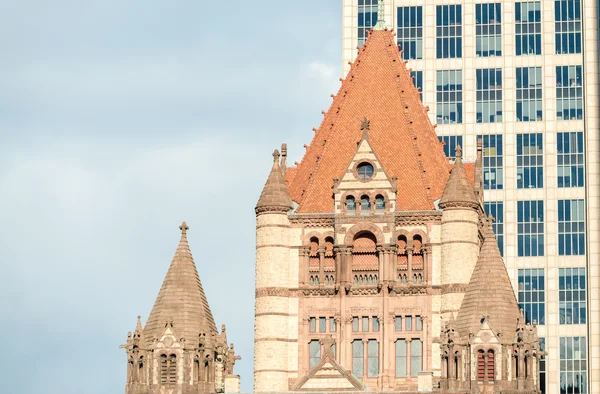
379	87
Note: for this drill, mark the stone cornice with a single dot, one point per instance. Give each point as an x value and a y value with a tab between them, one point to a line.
271	209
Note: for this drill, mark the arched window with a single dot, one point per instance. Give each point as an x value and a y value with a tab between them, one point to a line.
402	254
480	366
365	204
314	261
490	365
329	260
196	370
379	202
455	360
173	369
130	367
164	369
364	255
417	258
141	374
350	204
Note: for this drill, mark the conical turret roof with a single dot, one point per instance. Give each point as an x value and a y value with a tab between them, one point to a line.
181	299
459	190
275	195
489	294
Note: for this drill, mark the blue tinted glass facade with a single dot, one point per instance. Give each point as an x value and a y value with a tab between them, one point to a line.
410	32
367	18
448	31
530	228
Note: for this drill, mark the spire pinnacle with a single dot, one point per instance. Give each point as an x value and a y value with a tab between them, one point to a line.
365	126
458	152
380	25
458	191
275	195
184	228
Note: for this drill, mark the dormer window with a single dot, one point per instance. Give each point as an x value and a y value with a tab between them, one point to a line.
365	205
350	204
379	203
365	171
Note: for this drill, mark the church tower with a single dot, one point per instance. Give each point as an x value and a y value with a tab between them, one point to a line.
180	350
489	348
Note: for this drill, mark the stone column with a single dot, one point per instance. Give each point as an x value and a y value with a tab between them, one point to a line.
382	271
409	253
304	256
338	265
321	266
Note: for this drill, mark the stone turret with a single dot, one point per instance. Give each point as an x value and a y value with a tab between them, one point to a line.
460	236
273	326
489	348
180	349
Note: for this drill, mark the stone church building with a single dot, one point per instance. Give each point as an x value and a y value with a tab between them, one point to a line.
376	267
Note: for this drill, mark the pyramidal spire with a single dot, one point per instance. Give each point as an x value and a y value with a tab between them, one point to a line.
458	191
380	25
181	298
489	294
275	196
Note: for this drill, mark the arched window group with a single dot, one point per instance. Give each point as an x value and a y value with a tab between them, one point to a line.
365	205
411	259
168	369
485	365
321	262
365	259
200	370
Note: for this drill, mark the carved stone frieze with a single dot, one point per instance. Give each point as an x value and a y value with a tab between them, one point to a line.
408	290
417	218
314	291
364	290
454	288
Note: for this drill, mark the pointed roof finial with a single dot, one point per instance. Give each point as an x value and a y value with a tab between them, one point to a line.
184	228
276	156
380	25
458	152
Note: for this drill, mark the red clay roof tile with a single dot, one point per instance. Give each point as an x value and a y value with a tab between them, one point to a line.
378	86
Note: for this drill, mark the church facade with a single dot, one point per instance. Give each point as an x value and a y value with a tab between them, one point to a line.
376	267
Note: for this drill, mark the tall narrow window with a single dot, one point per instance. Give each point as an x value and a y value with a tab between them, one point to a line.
491	365
408	323
542	385
410	32
573	365
373	358
367	18
173	369
569	93
358	354
417	77
530	228
448	31
315	352
529	94
572	296
450	144
570	159
449	100
480	365
493	162
496	209
530	161
400	358
312	324
398	323
375	323
416	357
379	203
532	296
567	18
365	205
350	205
332	327
528	28
355	324
571	227
164	369
419	323
488	30
322	324
489	95
365	324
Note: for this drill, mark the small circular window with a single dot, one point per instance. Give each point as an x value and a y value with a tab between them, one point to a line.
365	171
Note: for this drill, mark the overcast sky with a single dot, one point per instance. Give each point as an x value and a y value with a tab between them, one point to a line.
119	120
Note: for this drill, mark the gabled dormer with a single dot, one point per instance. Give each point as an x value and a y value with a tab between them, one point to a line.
364	189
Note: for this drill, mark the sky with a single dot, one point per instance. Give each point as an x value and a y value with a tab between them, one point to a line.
118	121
